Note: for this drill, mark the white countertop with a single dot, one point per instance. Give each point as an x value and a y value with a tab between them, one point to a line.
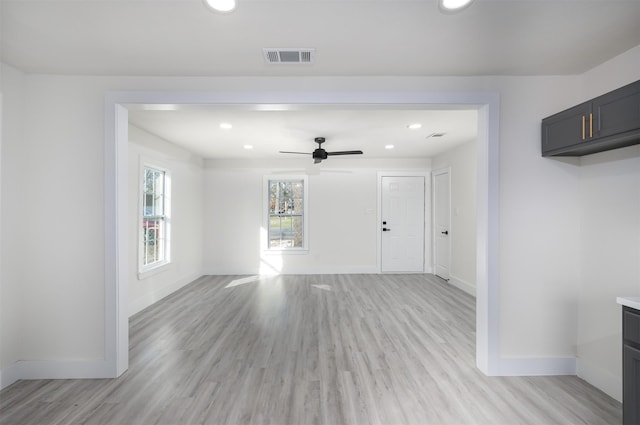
633	302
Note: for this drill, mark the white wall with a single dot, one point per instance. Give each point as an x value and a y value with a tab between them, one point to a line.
610	239
342	215
64	179
610	261
539	266
62	315
461	161
187	190
12	251
53	227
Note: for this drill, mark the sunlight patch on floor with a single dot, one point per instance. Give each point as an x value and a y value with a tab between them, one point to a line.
243	281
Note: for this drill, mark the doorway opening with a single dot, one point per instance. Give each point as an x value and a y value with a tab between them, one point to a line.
442	223
116	190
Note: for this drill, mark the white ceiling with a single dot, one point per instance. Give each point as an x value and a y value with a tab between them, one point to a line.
269	130
357	37
350	38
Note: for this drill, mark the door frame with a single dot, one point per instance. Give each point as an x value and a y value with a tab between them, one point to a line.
426	262
444	170
116	337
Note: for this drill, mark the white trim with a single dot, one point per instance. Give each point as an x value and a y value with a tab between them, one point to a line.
462	285
282	251
543	366
116	236
30	370
160	292
601	379
302	271
488	236
487	357
155	270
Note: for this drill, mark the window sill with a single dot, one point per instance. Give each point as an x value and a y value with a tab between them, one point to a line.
144	274
300	251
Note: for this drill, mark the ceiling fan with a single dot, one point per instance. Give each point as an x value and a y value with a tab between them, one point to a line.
319	154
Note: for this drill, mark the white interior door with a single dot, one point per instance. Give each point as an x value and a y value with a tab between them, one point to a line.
442	223
402	224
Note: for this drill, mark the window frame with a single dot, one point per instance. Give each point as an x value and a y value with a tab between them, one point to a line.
305	213
146	270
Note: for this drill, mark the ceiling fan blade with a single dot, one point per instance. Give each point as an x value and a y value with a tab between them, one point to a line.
301	153
345	153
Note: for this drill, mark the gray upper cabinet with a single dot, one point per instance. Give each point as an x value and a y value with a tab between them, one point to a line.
607	122
617	112
565	129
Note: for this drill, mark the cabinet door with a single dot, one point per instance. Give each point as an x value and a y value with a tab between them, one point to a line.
565	129
631	385
617	112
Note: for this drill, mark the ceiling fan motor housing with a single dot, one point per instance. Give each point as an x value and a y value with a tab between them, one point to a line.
320	154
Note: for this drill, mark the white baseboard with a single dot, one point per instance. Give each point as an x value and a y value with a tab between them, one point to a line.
605	381
463	285
30	370
545	366
305	270
150	298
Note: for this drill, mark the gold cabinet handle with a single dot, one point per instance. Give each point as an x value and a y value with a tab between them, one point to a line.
591	124
583	127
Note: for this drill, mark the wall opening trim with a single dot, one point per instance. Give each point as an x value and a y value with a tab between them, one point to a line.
116	190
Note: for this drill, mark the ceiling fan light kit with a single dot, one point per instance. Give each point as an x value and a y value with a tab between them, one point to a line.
320	154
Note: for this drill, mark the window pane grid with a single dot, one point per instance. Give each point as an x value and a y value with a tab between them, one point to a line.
153	193
153	217
286	213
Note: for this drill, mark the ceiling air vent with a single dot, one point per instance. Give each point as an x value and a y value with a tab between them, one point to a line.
295	56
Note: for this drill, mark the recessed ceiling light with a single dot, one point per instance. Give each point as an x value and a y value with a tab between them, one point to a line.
449	6
226	126
414	126
389	146
223	6
248	147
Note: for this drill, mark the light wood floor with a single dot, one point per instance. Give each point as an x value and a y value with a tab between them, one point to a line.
325	349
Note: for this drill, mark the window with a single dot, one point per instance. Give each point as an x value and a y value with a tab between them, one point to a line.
154	249
287	199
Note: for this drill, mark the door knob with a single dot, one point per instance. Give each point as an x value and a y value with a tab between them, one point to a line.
446	232
384	229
